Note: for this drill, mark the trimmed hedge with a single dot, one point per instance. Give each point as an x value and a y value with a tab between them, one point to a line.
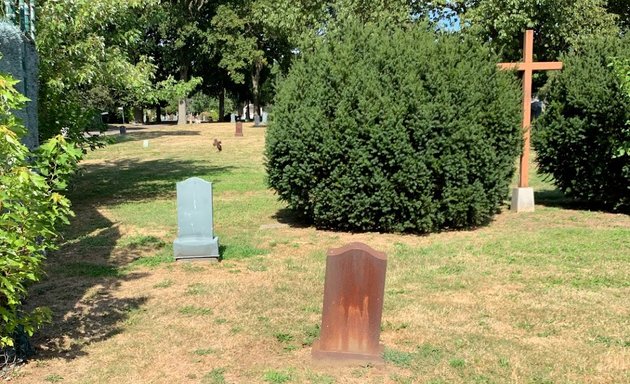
580	137
394	129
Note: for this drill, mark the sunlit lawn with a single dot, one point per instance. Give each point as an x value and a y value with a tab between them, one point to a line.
542	297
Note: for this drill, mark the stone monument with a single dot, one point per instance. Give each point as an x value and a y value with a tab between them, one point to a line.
239	128
195	236
353	305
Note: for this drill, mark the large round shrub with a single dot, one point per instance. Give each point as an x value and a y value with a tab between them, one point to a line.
579	138
394	129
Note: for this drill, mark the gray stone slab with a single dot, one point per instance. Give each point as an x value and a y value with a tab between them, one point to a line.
195	236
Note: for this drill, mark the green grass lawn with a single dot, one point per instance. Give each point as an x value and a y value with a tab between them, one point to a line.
539	297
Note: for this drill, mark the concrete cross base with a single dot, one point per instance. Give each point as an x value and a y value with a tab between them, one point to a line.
522	200
196	248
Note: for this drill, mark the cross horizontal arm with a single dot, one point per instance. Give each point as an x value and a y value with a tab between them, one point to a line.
534	66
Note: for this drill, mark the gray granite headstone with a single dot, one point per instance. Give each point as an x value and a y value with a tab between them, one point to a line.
265	117
232	118
256	120
195	238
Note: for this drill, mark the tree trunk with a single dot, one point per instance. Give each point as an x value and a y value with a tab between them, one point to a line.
181	111
158	113
258	66
221	104
138	115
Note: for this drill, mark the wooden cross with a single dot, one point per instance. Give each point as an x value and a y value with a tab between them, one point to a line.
528	66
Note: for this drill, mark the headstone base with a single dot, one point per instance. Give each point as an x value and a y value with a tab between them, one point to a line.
196	248
339	357
522	200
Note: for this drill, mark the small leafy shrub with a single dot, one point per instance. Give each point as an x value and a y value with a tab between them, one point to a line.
31	210
394	129
583	138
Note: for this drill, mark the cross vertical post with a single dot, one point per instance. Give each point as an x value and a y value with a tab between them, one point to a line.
528	51
524	200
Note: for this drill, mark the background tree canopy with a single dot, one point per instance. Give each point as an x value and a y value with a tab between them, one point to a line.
98	55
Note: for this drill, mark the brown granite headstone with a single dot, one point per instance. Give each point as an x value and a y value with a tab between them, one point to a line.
353	305
239	128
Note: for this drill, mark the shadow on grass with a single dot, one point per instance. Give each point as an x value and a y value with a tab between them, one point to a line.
140	133
136	180
292	218
552	198
80	288
555	198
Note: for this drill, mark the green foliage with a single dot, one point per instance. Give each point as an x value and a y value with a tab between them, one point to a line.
622	67
170	90
394	129
31	208
621	8
86	63
582	138
559	24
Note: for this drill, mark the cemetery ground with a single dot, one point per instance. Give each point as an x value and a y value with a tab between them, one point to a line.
540	297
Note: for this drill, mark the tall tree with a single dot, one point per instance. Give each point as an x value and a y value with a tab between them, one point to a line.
248	43
184	40
85	65
559	24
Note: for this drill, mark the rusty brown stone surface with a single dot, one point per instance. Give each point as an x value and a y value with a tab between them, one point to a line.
353	305
239	128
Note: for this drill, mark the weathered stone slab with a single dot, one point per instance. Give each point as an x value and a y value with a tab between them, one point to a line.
353	305
195	238
239	129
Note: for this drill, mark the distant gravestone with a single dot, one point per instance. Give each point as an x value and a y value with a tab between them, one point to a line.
353	305
232	118
265	117
256	120
145	144
195	236
239	129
